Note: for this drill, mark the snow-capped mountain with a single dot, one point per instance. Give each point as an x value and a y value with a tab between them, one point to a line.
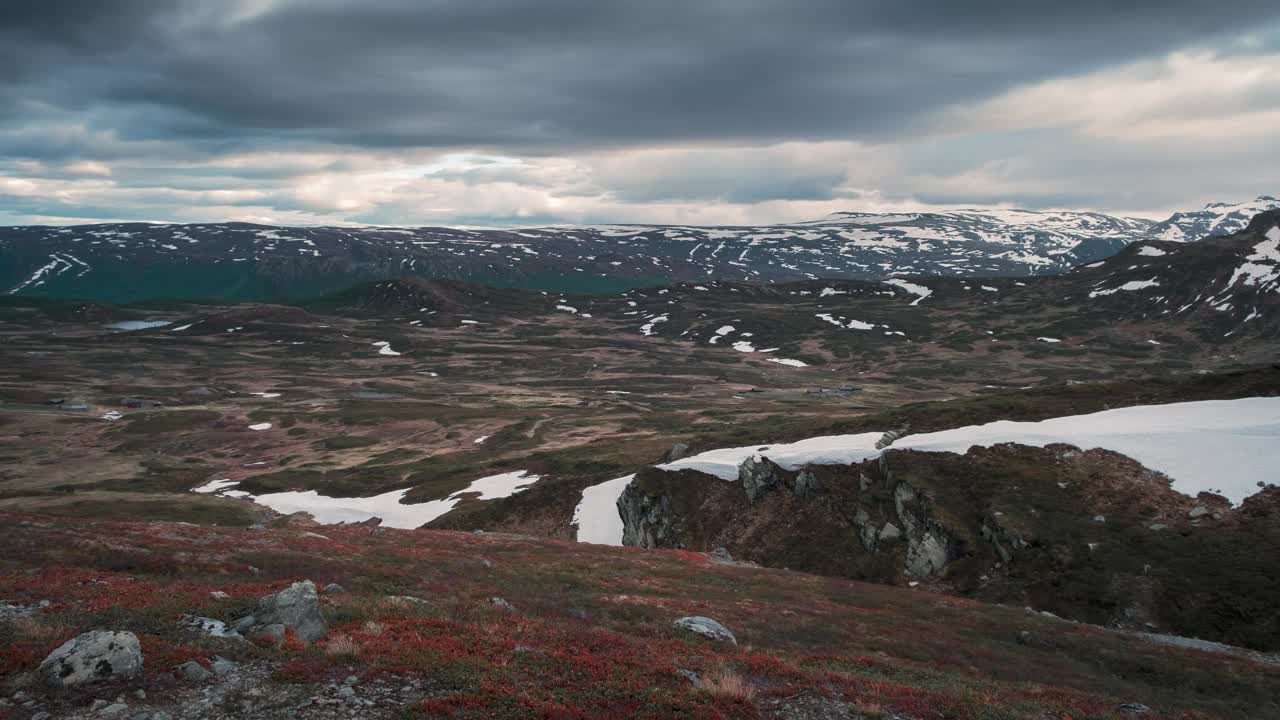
1215	220
238	261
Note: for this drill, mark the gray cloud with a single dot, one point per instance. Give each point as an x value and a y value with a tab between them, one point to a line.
546	75
663	110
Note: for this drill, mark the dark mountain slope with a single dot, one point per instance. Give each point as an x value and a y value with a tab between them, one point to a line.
243	262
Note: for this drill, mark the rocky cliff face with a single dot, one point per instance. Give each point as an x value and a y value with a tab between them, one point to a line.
889	518
648	520
1088	535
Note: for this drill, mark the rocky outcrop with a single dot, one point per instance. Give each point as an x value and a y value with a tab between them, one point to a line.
1003	541
759	475
647	520
891	436
678	451
930	546
91	657
806	484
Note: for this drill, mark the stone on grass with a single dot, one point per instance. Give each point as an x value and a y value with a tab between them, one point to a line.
212	628
114	710
297	608
689	675
707	628
194	672
502	604
93	656
334	588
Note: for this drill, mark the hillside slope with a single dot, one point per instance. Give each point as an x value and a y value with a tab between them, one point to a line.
448	625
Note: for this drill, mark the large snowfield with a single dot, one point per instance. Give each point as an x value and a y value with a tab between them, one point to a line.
1222	446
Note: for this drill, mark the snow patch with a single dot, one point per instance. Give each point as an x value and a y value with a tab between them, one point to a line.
1210	445
390	506
920	290
596	515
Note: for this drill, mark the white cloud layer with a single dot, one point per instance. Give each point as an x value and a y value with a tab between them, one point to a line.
1146	137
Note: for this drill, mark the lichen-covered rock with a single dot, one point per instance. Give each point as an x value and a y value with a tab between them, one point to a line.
758	476
647	520
806	484
93	656
927	556
707	628
297	607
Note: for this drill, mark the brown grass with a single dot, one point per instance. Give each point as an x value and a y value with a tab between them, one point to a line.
41	631
342	646
728	684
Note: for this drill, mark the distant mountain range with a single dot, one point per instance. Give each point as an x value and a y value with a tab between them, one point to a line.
245	262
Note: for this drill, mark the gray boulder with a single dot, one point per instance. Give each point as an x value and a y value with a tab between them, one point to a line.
222	666
297	607
93	656
707	628
194	672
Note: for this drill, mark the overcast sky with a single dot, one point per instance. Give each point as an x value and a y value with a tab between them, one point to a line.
529	112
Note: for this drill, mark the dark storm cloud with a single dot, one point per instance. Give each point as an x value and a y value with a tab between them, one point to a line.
551	75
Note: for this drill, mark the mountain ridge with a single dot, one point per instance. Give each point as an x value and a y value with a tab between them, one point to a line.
248	262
